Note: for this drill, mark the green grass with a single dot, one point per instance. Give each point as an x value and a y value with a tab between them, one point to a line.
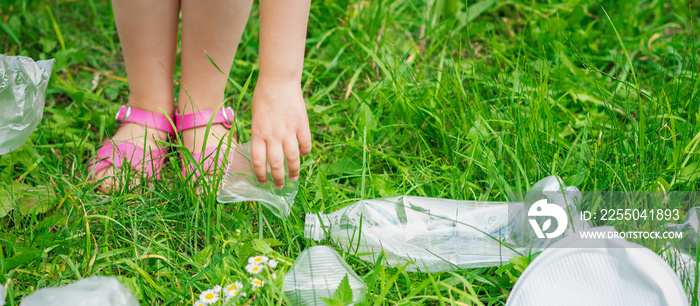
429	98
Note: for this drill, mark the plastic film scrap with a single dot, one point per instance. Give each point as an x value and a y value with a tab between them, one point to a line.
22	88
95	290
240	184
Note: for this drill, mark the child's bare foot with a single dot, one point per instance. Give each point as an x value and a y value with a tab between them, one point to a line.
193	138
139	136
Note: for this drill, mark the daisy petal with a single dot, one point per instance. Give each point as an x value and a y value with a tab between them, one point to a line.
260	259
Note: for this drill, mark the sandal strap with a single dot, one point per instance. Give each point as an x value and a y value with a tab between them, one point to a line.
115	155
207	161
224	116
150	120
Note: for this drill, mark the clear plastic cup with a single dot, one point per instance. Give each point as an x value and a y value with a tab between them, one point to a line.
316	274
240	184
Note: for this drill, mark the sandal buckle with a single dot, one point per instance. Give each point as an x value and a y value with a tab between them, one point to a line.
225	111
128	112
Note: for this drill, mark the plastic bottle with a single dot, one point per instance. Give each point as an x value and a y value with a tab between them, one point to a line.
438	234
316	274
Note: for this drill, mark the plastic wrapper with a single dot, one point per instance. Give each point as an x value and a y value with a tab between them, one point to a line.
96	290
22	87
575	271
240	184
435	234
316	274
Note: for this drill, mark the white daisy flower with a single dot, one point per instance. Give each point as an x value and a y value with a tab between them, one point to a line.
254	268
272	263
200	303
230	297
217	289
236	286
256	282
209	296
258	260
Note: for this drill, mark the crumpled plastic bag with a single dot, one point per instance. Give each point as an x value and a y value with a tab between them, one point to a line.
91	291
22	87
240	184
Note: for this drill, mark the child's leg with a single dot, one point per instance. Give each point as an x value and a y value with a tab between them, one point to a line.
148	35
208	27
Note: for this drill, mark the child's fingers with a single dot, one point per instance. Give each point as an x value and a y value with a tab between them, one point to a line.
258	155
275	155
291	150
304	137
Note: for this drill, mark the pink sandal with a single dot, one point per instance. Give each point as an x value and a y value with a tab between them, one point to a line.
127	152
183	122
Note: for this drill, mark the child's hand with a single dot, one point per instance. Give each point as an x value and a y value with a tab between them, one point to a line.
279	120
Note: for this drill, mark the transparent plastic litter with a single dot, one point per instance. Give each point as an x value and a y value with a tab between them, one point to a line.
437	234
602	272
22	87
689	228
240	184
553	189
316	274
2	295
683	263
682	253
95	290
